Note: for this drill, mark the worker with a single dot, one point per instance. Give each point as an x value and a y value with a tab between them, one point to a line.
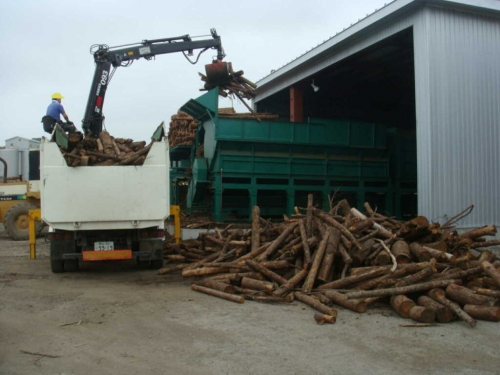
53	116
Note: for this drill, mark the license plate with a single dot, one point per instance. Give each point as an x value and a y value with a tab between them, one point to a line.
104	246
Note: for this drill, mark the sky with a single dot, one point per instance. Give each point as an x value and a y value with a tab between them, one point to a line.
46	49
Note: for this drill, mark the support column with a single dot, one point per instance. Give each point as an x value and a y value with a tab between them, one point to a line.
296	105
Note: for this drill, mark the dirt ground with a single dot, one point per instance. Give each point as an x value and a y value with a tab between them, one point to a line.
114	319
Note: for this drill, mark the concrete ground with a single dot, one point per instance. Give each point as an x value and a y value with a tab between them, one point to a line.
114	319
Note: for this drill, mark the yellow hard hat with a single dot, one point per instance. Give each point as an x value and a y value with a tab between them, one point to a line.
57	95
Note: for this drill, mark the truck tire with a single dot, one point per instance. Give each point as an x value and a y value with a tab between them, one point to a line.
57	265
157	264
17	222
71	265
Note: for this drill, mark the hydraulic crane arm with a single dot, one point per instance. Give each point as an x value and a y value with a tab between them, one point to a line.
106	57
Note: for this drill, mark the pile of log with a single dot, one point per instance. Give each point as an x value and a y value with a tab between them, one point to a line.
424	271
182	130
103	151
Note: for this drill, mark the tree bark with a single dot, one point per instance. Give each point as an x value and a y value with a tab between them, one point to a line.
318	257
401	290
401	251
305	245
327	263
491	272
416	277
295	280
422	314
327	219
321	318
419	252
266	272
350	280
443	314
483	312
357	305
439	296
277	242
255	228
315	304
249	283
402	305
216	293
465	296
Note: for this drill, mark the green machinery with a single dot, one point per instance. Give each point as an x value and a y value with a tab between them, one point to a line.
235	164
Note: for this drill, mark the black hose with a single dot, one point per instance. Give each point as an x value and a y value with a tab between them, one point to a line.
4	169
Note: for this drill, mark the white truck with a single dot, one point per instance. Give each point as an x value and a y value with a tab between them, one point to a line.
100	213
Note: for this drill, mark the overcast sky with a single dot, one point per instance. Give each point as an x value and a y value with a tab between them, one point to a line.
45	49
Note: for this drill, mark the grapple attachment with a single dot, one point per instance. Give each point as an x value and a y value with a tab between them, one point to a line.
218	73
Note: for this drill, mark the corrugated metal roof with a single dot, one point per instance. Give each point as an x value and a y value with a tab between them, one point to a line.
392	9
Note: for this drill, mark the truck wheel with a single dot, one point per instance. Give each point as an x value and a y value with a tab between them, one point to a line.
157	264
57	265
71	265
17	221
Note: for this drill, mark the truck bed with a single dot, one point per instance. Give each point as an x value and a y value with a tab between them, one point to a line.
107	197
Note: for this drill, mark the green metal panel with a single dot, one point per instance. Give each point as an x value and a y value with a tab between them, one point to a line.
359	134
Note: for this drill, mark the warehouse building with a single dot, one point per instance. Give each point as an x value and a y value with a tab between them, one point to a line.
425	72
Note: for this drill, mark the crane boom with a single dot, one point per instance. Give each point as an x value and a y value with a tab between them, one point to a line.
105	58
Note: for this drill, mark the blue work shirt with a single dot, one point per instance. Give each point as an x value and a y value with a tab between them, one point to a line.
55	109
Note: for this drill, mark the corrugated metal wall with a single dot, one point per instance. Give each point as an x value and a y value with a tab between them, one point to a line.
457	76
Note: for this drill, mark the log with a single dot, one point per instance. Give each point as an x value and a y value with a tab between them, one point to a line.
318	257
443	314
321	318
249	283
416	278
439	255
255	228
207	259
489	230
165	270
216	285
350	280
491	271
381	229
216	293
276	264
204	271
422	314
438	295
277	242
131	158
401	251
457	275
357	305
295	280
327	263
419	252
328	220
305	245
266	272
402	305
107	143
487	292
309	215
315	304
483	312
361	226
479	245
465	296
401	290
